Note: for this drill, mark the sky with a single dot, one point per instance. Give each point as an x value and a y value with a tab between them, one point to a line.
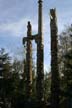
14	15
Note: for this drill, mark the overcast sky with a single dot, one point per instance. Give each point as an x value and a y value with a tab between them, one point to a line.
14	15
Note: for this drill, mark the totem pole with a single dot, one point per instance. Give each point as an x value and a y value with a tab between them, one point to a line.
40	56
54	60
28	62
40	47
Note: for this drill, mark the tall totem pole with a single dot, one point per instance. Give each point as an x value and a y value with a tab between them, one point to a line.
40	55
54	60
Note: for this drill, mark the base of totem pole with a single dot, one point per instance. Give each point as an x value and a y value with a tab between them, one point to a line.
31	104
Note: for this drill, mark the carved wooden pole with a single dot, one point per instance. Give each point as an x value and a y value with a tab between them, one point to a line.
54	60
40	56
28	62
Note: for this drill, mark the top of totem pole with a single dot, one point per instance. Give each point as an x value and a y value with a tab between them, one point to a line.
29	26
53	13
40	1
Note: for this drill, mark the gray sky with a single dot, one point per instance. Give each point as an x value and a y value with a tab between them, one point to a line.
14	15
